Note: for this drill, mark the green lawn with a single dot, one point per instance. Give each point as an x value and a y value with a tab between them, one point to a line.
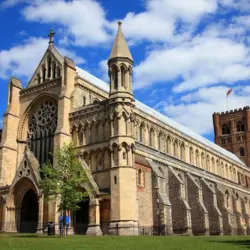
34	242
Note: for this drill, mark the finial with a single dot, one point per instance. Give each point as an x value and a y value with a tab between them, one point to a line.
51	36
119	23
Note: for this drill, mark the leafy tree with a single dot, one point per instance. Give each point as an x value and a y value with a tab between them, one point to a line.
63	181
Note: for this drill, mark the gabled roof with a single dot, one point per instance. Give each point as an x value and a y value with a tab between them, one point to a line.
157	115
120	47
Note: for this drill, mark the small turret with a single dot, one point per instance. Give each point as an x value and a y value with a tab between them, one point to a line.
120	67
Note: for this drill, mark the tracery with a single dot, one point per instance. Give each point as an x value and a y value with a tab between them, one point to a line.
41	129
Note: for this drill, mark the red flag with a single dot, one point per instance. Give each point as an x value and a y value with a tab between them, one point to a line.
229	92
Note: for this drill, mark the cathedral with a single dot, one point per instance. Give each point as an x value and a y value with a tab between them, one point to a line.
144	170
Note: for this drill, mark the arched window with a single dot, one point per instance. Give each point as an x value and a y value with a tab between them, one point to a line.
176	149
80	137
160	140
208	163
44	73
191	155
218	170
96	101
49	67
242	151
225	129
202	160
197	155
151	137
54	70
240	126
84	101
169	151
213	166
182	152
115	77
123	73
222	170
141	133
41	128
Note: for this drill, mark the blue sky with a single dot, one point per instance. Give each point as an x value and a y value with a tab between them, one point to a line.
187	54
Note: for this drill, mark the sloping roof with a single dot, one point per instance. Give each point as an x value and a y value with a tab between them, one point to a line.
157	115
120	47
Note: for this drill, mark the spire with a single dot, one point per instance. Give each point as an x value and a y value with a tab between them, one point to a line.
120	47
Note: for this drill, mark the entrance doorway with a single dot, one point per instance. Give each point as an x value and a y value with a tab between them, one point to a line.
81	217
29	213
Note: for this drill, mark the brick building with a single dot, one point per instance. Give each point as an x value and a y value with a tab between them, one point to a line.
144	169
232	132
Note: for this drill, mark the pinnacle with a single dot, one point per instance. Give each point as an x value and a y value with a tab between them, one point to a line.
120	47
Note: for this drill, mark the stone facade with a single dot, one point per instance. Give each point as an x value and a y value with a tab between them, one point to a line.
144	170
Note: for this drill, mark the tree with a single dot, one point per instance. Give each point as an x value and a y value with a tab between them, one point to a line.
62	181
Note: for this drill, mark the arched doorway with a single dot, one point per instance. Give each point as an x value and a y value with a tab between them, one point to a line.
81	217
29	213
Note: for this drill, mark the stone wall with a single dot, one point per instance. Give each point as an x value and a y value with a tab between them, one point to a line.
144	197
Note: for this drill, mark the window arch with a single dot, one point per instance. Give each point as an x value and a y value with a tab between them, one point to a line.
176	149
240	126
151	137
225	129
183	152
123	74
41	128
54	70
242	151
213	166
80	137
203	160
169	151
222	169
208	163
197	155
141	133
43	73
49	67
84	101
191	155
160	141
115	77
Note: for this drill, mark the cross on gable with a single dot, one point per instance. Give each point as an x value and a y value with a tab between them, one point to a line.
51	36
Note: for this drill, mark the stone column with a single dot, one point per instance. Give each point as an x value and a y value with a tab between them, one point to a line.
214	214
40	215
245	213
199	213
94	218
181	212
241	229
227	215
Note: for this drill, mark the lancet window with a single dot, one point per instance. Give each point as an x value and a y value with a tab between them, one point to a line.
41	129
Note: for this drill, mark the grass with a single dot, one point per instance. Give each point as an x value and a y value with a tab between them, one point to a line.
42	242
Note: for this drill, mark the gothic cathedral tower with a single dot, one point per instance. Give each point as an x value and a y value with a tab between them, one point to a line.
124	213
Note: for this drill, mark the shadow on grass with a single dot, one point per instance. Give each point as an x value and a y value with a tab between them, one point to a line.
40	236
243	243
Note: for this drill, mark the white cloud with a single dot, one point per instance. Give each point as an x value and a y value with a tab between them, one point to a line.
160	20
83	21
195	110
203	61
22	59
